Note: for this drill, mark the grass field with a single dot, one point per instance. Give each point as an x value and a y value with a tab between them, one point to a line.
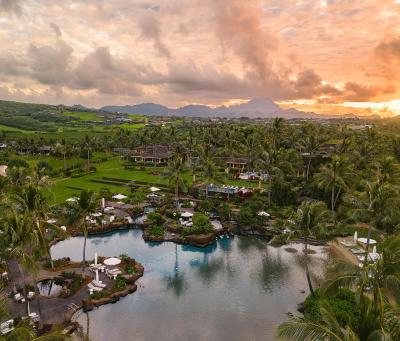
114	169
83	115
12	129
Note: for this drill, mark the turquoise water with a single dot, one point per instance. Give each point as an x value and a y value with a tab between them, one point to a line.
238	289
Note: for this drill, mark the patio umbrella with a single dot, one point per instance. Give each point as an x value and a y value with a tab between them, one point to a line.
374	249
97	275
263	214
355	236
154	189
112	261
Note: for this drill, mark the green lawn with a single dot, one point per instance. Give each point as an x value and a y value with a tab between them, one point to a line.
113	168
84	116
7	128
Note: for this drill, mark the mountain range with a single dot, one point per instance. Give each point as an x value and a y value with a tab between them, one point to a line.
255	108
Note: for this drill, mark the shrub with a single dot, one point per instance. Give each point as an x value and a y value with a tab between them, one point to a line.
120	283
157	230
342	303
97	295
156	218
130	269
201	225
17	163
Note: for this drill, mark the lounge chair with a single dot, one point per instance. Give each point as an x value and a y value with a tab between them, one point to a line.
34	317
6	327
92	288
98	284
19	298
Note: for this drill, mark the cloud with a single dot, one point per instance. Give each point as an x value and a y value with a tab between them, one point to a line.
11	6
389	48
238	26
56	30
150	28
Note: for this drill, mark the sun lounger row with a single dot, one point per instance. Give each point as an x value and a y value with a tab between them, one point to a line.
18	297
94	286
93	267
113	273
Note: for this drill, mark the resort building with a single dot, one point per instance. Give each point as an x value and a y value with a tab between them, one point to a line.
157	154
44	150
236	162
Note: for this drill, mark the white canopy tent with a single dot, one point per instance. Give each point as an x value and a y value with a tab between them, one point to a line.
119	196
186	215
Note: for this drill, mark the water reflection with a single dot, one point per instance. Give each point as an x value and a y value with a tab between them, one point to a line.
176	281
237	289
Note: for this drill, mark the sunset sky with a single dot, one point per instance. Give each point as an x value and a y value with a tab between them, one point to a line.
326	56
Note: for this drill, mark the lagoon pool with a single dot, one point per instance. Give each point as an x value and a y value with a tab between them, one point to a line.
238	289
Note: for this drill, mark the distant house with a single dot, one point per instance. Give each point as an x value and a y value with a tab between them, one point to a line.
157	154
236	162
44	150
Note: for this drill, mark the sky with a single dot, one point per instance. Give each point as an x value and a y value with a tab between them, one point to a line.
326	56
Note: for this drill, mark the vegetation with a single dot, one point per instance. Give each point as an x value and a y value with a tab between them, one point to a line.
317	180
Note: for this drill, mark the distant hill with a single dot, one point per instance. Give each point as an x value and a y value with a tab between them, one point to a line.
150	109
256	108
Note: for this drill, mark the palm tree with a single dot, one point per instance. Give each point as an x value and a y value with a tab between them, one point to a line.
76	214
25	243
335	177
329	329
308	221
210	174
174	173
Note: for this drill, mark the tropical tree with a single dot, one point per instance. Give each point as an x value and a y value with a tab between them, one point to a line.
174	172
77	211
335	177
308	221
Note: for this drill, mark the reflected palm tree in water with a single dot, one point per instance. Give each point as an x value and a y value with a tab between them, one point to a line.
177	281
246	244
274	272
208	269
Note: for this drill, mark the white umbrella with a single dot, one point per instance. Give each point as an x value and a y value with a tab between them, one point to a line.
187	215
365	240
355	236
71	200
119	196
112	261
103	203
95	258
263	214
64	228
97	275
154	189
374	249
